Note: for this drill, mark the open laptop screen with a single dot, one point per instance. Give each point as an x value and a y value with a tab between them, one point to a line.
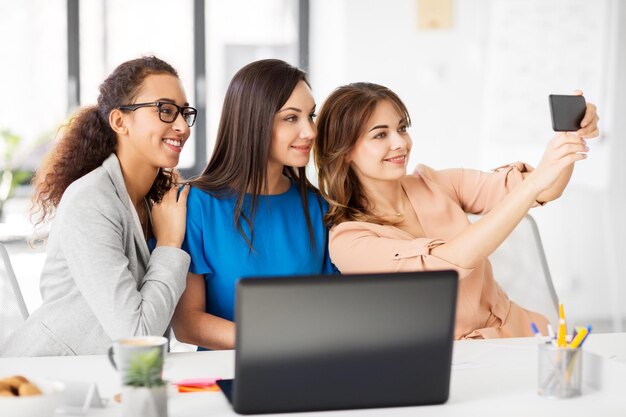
353	341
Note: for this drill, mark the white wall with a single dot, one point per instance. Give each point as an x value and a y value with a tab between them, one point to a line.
438	75
447	80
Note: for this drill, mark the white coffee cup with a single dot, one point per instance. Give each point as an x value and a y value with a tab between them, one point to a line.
123	351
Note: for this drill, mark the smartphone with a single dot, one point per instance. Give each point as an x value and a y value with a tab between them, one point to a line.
567	112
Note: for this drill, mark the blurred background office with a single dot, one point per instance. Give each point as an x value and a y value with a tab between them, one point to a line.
475	75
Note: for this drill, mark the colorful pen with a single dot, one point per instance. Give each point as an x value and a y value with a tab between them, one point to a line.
561	340
536	331
586	336
582	333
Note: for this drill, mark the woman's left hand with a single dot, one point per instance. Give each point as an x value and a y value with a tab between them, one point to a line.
169	217
589	125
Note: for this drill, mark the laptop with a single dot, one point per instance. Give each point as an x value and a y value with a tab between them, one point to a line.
341	342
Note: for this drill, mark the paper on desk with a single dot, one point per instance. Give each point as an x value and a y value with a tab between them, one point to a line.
197	384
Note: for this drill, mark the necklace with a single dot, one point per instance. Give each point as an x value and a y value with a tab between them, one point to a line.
396	212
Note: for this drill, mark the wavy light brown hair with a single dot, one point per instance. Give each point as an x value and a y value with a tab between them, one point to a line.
341	121
239	161
88	139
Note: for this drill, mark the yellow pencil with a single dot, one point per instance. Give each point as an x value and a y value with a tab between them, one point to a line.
582	332
561	338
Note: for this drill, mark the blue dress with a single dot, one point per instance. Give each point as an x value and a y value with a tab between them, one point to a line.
281	242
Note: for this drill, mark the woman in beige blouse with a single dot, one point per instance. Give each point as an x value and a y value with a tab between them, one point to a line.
383	220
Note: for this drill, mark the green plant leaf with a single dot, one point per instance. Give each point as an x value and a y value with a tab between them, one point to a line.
145	369
11	142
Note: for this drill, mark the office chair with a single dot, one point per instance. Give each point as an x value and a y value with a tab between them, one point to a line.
13	310
521	269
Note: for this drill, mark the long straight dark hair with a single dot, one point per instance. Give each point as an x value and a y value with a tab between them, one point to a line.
239	161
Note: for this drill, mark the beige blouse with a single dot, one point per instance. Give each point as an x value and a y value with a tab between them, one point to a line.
441	200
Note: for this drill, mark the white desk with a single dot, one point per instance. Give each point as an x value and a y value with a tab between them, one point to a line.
489	378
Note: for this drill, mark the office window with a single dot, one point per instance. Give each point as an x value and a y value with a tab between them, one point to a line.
239	32
115	31
33	87
233	33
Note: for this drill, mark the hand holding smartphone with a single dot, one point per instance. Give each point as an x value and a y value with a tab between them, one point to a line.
567	112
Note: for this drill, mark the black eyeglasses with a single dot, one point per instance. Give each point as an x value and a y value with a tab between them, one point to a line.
168	112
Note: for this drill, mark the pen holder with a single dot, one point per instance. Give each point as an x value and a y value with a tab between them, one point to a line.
560	371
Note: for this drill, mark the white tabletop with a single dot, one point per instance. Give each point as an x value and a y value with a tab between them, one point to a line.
489	377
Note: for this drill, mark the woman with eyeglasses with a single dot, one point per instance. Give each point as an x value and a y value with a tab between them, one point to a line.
109	184
252	211
383	220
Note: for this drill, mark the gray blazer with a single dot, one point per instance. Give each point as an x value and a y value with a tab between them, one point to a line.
99	282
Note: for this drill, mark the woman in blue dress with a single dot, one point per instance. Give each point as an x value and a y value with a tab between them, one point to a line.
252	211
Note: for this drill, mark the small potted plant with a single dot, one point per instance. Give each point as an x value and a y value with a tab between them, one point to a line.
145	392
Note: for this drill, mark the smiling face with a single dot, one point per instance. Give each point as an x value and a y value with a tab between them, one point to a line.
294	131
148	139
382	151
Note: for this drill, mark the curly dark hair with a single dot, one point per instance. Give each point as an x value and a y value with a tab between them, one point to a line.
88	139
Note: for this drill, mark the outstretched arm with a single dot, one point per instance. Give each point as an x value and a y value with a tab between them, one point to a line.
359	246
484	236
588	130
